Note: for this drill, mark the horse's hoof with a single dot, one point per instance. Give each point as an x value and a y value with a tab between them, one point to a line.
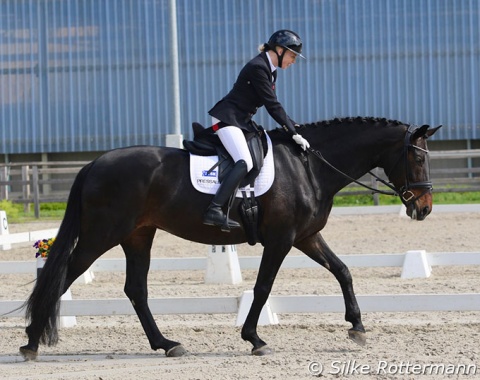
262	351
176	351
358	337
28	353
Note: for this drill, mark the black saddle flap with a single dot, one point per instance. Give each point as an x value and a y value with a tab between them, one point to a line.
199	148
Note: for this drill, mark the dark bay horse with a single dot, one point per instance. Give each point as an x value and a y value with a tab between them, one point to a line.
125	195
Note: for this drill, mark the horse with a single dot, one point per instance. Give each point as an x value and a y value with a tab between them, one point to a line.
126	194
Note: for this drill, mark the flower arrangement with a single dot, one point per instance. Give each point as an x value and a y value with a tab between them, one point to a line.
43	247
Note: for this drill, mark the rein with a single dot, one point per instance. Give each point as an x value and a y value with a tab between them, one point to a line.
405	194
393	192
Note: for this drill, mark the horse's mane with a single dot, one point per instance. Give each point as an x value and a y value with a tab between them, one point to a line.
358	120
353	120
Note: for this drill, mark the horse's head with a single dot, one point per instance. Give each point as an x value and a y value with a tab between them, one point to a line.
410	173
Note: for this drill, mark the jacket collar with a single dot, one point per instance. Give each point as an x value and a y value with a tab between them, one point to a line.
273	69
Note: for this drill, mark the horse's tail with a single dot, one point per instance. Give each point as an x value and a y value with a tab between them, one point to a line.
43	305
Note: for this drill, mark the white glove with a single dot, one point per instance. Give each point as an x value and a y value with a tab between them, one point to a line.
301	141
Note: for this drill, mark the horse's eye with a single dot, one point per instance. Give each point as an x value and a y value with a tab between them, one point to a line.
419	159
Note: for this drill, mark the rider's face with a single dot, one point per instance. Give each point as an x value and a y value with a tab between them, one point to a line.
288	59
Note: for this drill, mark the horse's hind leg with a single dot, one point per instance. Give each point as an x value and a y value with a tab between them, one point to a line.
137	251
83	255
317	249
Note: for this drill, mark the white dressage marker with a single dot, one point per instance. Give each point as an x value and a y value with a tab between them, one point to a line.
416	265
4	230
223	266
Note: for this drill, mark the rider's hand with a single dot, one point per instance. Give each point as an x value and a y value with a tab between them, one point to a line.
301	141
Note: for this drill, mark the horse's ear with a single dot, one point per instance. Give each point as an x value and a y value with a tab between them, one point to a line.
430	132
419	132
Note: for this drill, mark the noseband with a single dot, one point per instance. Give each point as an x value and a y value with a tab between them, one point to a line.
405	192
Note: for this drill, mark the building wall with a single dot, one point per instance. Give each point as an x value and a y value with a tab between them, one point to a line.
89	76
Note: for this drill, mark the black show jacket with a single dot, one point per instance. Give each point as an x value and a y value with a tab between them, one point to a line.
254	88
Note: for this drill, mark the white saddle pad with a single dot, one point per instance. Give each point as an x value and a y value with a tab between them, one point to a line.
208	182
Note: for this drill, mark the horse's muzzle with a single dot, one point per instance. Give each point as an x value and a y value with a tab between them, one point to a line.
420	215
420	208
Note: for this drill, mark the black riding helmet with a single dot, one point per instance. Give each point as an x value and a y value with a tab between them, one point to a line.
288	40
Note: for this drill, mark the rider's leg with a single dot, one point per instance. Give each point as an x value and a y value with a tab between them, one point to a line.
234	141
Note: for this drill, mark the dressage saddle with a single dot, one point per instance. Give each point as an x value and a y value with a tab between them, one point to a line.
207	143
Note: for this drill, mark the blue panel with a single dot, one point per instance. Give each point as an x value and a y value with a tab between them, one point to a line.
96	74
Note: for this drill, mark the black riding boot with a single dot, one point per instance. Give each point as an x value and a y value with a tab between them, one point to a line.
214	215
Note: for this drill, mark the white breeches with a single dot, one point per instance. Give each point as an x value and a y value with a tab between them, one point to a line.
234	142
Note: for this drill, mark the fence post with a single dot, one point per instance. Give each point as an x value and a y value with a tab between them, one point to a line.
26	187
36	195
4	187
46	186
374	183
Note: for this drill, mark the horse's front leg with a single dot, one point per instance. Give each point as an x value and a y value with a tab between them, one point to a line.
317	249
271	261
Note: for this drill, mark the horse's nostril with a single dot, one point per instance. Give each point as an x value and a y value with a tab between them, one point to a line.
423	213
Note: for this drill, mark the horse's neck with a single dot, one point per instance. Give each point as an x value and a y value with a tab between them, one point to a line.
354	156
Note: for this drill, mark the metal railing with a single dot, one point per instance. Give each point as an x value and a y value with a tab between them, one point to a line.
43	182
38	182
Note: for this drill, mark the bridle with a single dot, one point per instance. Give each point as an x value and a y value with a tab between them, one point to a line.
405	192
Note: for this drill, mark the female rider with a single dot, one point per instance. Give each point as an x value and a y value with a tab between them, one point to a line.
232	115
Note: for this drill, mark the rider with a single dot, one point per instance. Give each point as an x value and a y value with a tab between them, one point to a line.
232	115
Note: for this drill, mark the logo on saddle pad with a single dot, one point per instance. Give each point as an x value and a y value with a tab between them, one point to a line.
206	181
208	173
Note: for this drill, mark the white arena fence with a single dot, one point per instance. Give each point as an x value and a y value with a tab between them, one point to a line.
253	262
275	304
246	262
